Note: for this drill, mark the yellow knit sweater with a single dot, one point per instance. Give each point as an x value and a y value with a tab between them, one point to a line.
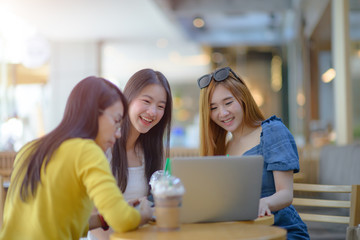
77	177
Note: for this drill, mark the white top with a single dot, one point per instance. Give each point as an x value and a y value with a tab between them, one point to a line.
137	185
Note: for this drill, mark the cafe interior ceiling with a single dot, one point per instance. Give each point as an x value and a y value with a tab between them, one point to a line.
226	22
164	29
251	23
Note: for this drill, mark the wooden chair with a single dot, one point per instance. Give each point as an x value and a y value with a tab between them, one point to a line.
6	165
6	162
309	160
183	152
315	200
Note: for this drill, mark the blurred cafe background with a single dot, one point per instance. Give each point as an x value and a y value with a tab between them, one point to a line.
300	58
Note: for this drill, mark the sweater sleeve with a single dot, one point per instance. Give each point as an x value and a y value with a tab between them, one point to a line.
94	172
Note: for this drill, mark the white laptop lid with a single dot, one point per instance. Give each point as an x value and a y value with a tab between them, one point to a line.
219	188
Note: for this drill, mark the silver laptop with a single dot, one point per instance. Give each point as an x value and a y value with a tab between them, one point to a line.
219	188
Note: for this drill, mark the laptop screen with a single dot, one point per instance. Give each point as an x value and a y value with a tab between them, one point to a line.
219	188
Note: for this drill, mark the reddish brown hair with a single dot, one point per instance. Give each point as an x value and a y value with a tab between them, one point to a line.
212	136
80	120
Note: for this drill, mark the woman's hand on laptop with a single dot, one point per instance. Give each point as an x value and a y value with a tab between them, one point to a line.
264	209
282	197
146	211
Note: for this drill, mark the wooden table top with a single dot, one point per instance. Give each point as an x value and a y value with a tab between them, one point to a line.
266	220
208	231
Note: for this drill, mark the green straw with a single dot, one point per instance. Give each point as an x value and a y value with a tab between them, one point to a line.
167	167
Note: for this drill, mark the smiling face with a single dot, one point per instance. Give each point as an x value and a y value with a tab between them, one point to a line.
225	110
109	125
147	109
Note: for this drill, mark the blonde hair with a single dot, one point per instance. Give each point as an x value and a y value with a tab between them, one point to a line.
212	136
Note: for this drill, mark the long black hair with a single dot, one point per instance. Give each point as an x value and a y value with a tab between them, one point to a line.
152	142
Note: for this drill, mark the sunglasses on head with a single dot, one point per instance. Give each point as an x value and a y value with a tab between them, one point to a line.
219	75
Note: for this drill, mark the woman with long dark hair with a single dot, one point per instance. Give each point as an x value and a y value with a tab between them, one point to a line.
145	136
143	131
58	178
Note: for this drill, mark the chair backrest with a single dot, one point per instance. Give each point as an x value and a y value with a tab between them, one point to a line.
316	200
6	163
183	152
339	164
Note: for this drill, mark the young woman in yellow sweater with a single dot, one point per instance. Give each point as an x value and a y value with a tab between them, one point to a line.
58	178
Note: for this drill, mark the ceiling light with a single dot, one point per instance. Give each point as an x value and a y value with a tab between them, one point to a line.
329	75
276	76
198	22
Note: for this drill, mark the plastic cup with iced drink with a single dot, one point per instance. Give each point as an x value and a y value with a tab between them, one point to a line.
167	192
